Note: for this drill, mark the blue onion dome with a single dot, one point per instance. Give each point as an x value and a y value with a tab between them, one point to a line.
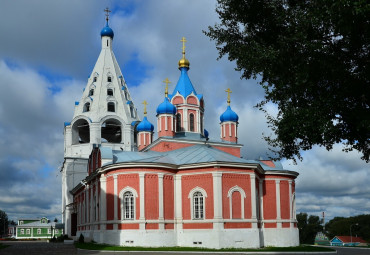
145	125
107	31
229	115
166	107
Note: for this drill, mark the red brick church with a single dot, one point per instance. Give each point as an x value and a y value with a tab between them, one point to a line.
184	189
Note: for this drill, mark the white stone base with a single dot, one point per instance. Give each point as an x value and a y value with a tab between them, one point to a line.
280	237
206	238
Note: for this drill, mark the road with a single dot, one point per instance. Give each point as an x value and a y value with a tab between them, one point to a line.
44	248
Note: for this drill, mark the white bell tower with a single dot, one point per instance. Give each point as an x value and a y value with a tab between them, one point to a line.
105	115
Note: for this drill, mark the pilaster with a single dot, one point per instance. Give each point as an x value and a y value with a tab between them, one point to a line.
103	202
95	136
278	208
217	200
142	200
160	201
260	193
290	204
253	200
115	196
178	203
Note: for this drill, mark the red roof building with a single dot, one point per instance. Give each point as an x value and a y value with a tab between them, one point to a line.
347	241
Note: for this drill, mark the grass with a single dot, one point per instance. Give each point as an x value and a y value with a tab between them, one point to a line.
2	246
105	247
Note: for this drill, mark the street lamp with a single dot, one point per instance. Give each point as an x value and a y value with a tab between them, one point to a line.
350	231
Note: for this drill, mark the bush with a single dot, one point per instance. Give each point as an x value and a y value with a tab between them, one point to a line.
81	239
60	238
67	238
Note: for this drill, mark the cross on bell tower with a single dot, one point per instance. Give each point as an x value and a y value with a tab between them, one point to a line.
107	11
228	95
167	81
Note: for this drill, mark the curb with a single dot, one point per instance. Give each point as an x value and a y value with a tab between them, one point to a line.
219	252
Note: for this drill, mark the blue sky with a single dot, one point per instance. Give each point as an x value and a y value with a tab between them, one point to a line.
48	50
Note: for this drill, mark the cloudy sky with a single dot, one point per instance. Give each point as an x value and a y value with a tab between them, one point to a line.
47	51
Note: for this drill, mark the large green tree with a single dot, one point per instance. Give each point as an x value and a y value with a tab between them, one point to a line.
314	63
308	227
357	226
3	223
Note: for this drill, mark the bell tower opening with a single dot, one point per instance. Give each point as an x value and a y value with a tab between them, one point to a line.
111	131
80	132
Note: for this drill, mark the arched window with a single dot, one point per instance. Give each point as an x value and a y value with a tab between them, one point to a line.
86	107
236	197
109	79
198	205
111	107
178	122
191	122
111	131
91	92
110	92
80	132
128	206
236	205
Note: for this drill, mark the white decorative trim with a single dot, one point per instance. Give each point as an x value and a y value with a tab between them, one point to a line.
178	202
201	190
253	196
190	196
293	207
242	197
133	191
115	188
142	199
260	193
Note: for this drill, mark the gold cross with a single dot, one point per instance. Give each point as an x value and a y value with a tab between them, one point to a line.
183	40
228	95
145	104
166	90
107	11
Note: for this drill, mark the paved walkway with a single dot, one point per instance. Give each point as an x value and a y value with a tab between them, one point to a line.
44	248
37	248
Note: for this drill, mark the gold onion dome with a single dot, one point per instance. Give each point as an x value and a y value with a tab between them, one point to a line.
183	62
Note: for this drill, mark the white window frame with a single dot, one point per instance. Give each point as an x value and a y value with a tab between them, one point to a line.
192	202
28	231
22	231
39	231
49	231
236	188
121	196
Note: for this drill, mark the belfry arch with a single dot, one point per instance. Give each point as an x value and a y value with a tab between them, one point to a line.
80	132
111	131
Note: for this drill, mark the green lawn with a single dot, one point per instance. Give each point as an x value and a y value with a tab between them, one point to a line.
94	246
2	246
